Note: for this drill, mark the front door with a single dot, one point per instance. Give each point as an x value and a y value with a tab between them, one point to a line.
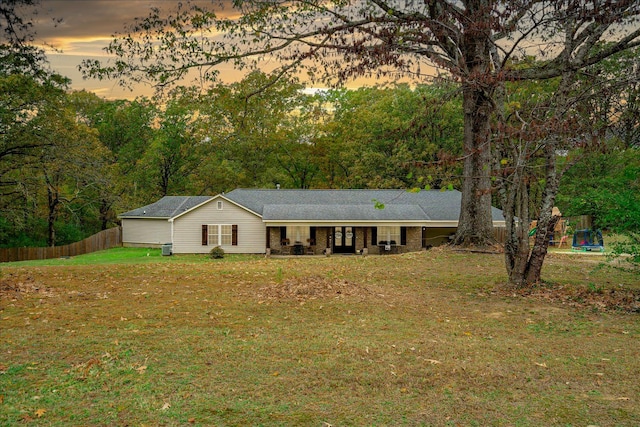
344	239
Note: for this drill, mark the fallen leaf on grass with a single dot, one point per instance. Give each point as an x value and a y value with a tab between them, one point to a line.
542	365
613	398
166	406
433	361
91	362
40	412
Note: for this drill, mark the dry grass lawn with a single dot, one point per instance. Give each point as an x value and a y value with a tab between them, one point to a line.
430	338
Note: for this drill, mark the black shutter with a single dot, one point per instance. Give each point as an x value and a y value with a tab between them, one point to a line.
234	235
403	235
374	236
205	235
312	235
283	233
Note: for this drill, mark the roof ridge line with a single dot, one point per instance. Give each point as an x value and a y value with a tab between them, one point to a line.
181	205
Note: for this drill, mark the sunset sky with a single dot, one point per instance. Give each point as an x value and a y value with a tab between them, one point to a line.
86	28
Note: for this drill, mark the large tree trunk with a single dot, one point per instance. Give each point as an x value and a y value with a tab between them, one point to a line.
53	199
546	220
524	266
105	210
515	202
475	224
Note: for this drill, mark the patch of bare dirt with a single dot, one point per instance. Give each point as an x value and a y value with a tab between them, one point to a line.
16	286
619	300
306	288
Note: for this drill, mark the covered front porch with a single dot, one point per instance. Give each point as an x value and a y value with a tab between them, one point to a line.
347	239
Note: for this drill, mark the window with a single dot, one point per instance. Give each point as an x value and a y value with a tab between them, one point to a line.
219	205
298	234
220	234
389	235
214	235
225	234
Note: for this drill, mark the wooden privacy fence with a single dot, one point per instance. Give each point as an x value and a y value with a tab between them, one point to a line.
105	239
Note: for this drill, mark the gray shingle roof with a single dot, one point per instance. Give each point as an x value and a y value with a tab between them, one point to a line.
324	205
346	212
434	205
167	207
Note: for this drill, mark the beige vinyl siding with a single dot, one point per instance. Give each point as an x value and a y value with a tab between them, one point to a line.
187	229
146	232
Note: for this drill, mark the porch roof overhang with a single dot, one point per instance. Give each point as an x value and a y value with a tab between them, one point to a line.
164	218
343	213
336	223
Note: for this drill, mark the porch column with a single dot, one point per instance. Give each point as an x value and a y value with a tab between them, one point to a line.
268	237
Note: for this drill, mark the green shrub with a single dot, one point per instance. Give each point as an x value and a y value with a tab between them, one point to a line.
67	233
627	251
216	253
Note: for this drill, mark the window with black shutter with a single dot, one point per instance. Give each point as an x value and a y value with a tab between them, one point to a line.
219	234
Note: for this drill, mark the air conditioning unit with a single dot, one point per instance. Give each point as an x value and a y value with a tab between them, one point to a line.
167	249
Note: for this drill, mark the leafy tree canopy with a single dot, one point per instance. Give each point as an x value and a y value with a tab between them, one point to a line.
335	41
18	55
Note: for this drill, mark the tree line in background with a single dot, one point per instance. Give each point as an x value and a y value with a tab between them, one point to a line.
504	126
71	161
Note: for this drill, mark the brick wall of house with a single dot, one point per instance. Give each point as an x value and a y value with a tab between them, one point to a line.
414	240
276	245
274	238
360	243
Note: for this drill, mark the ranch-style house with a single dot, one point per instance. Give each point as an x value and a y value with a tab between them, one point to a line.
279	221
